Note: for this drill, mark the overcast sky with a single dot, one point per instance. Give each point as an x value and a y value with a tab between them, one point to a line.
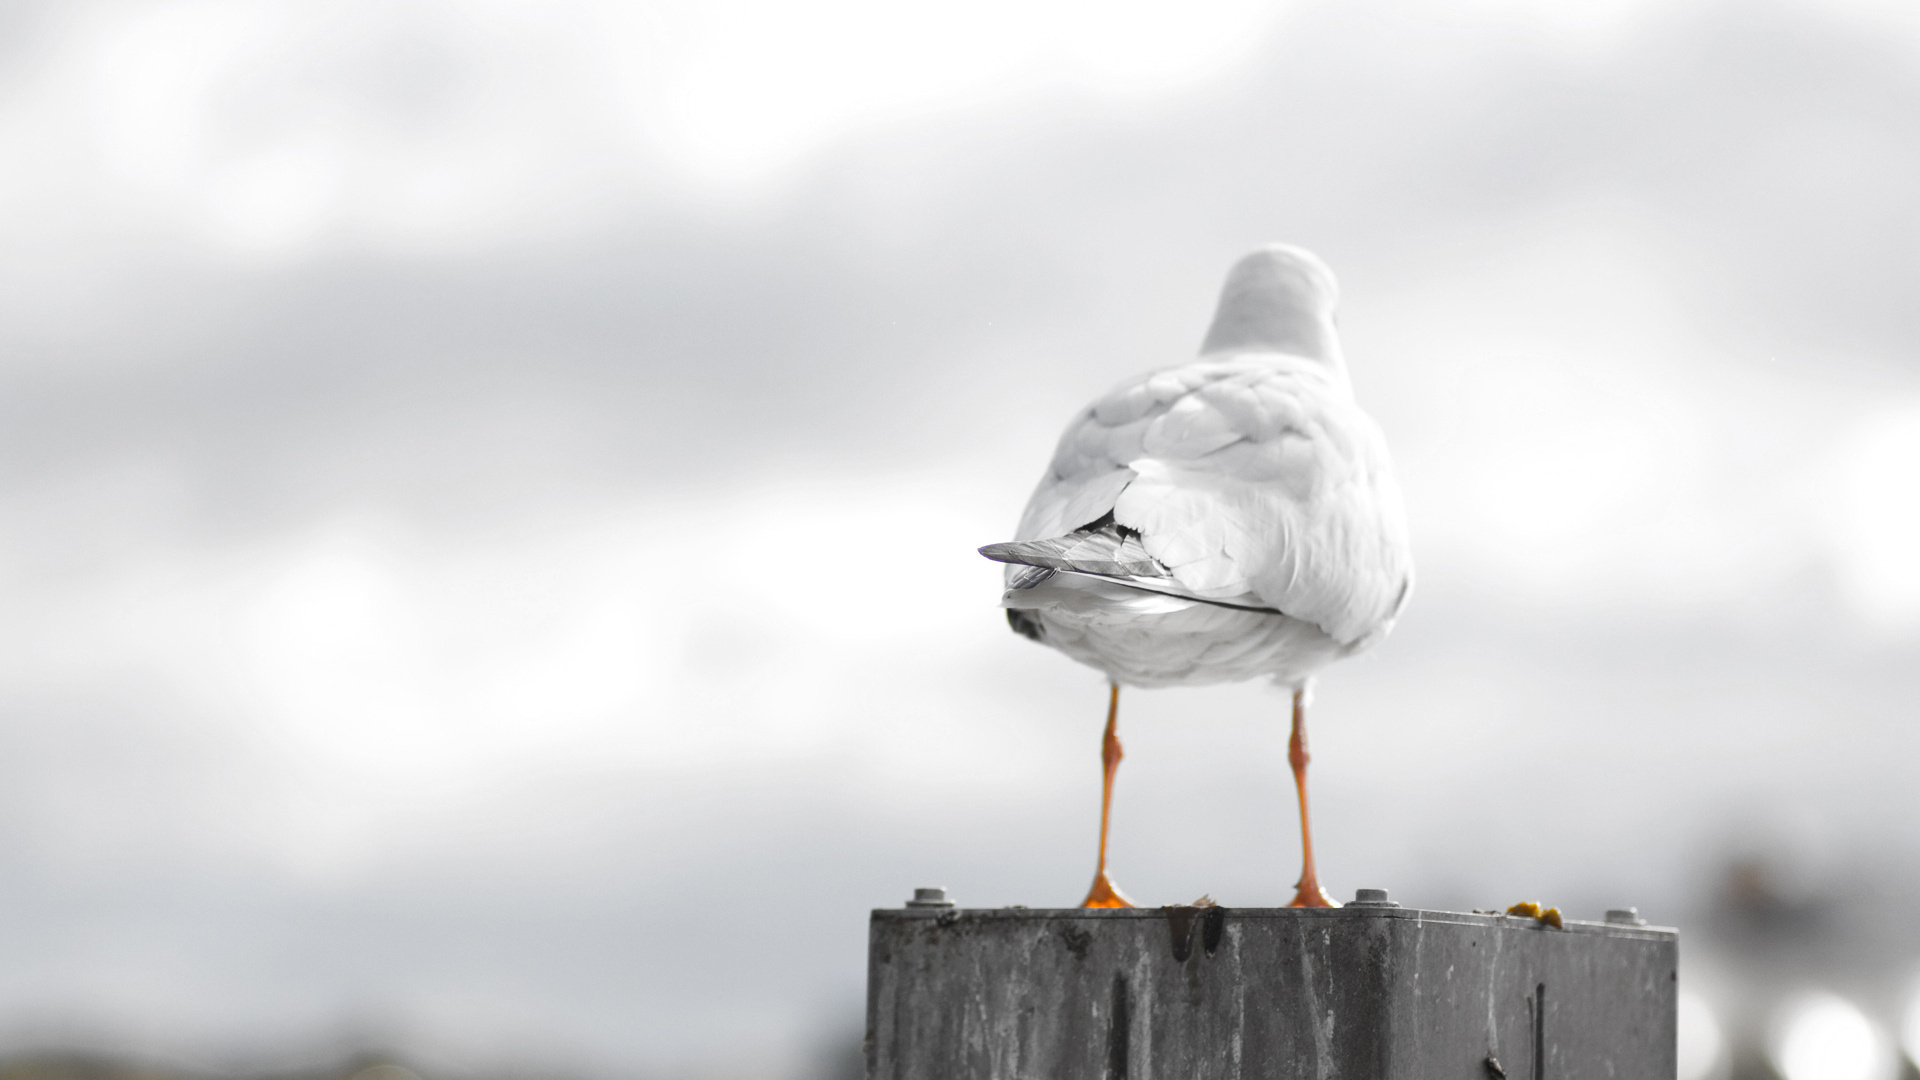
488	490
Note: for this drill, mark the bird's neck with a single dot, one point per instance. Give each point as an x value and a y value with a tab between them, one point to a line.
1330	371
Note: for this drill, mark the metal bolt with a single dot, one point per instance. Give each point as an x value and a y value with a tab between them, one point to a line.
929	898
1372	898
1629	916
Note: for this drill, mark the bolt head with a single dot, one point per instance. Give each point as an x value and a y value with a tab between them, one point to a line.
1625	917
924	897
1372	898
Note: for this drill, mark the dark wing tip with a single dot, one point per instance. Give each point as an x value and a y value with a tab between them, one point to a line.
1109	551
1007	553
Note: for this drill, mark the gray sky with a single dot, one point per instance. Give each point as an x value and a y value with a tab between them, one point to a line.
488	491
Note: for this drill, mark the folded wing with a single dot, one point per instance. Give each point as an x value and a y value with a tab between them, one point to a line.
1253	481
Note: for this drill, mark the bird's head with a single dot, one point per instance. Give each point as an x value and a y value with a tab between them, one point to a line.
1278	299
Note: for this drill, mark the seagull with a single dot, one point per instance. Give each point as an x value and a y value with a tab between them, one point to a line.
1230	518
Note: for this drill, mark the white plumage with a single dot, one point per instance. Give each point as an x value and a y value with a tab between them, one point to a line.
1226	519
1248	477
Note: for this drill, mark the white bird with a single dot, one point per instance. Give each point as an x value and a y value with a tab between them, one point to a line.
1225	519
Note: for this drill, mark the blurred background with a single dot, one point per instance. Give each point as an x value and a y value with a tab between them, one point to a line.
489	489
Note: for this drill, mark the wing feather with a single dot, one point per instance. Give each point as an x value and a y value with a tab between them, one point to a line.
1254	481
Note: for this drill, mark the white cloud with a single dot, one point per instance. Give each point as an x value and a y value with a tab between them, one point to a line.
405	672
1874	516
752	86
275	130
1566	431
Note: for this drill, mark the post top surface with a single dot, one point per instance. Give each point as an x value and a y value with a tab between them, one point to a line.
1351	911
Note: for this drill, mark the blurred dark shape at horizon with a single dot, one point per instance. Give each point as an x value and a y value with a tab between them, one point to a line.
85	1065
1753	911
841	1059
1776	929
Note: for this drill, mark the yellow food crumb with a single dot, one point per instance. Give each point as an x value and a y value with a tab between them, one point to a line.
1531	910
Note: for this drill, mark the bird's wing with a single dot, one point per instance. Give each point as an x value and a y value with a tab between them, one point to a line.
1089	467
1247	479
1102	549
1099	547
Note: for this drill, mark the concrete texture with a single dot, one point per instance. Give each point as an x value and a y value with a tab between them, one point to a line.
1357	993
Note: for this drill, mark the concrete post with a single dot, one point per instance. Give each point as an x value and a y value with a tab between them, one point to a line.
1370	991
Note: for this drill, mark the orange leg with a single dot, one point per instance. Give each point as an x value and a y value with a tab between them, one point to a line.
1104	894
1307	892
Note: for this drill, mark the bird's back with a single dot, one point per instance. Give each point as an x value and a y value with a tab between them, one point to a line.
1250	491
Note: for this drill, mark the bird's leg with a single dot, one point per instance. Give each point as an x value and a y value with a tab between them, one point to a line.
1307	893
1103	894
